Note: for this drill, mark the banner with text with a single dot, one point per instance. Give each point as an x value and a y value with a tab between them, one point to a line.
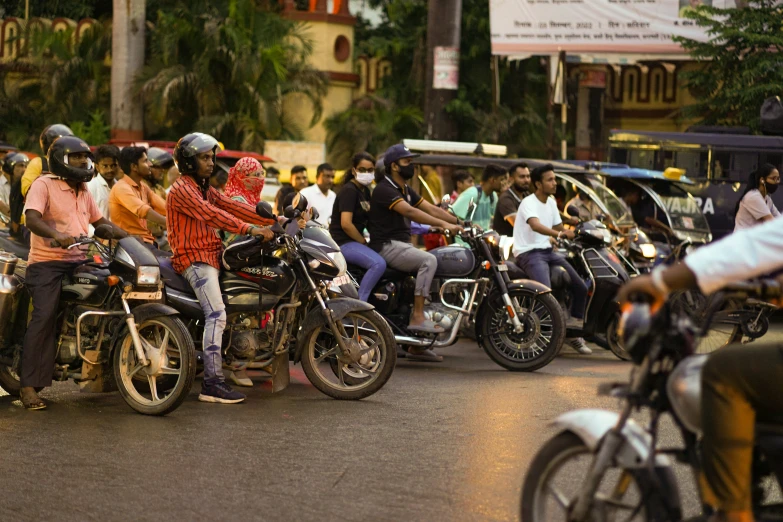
594	26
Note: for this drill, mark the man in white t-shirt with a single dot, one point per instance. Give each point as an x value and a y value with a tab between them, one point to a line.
321	196
538	220
107	165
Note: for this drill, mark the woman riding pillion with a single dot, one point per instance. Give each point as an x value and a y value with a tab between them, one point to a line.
349	220
739	383
195	212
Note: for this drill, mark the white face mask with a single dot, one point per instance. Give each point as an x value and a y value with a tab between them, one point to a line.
365	178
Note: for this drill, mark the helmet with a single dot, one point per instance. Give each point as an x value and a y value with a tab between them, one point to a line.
58	159
188	147
12	160
160	158
51	133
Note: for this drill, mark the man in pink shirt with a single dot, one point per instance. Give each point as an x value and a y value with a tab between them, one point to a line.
58	207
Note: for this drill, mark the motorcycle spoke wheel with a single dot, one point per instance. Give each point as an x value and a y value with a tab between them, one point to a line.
539	329
555	481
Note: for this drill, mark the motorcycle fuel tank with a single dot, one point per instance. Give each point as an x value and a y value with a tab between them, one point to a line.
454	261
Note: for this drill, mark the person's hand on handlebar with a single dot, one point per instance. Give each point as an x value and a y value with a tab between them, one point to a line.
566	234
454	230
263	232
64	240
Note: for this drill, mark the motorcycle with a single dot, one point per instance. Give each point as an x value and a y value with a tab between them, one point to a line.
518	323
591	255
284	309
112	332
614	465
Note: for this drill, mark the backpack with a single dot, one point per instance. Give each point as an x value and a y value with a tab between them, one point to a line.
243	252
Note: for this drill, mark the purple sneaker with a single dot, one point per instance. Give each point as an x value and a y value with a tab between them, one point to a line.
220	393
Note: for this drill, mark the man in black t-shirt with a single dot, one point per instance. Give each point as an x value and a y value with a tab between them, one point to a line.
508	202
393	206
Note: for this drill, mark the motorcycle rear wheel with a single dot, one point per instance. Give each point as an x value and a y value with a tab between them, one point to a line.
168	332
351	381
10	379
543	486
542	317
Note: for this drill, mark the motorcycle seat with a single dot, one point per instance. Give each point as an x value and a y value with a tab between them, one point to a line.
172	279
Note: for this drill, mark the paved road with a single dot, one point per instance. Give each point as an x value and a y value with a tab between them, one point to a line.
440	442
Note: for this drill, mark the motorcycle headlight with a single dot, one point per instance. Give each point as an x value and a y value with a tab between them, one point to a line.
148	276
648	250
492	237
339	262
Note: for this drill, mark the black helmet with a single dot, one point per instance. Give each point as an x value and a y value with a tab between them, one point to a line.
51	133
188	147
58	159
160	158
12	160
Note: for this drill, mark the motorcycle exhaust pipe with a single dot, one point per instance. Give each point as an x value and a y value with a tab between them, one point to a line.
419	342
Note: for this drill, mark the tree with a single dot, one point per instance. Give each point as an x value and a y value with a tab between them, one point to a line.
127	113
228	73
740	65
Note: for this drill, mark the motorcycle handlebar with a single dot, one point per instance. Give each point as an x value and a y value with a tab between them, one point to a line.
79	242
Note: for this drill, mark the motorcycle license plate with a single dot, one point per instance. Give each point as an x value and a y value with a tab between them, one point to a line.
502	267
152	296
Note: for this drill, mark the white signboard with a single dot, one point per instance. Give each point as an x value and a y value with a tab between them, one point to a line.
446	65
594	26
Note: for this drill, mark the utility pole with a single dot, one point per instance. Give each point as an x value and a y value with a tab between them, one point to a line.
127	60
444	20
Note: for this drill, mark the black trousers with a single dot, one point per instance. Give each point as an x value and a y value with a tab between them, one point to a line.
740	385
44	282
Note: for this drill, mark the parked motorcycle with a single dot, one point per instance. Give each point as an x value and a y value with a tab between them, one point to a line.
111	336
612	467
283	307
518	323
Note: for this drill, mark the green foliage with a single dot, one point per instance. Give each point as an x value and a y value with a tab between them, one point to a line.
372	124
741	63
73	9
229	74
96	130
518	121
58	82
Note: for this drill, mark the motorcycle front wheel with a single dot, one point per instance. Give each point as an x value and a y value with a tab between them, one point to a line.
534	347
157	389
362	372
555	478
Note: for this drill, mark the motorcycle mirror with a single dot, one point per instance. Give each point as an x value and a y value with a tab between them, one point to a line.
264	209
572	211
290	212
314	213
446	200
104	232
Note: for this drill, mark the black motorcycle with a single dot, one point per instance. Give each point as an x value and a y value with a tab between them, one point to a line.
114	330
282	308
518	323
602	465
594	259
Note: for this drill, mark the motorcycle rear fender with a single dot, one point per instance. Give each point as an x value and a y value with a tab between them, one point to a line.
530	286
151	310
591	426
339	308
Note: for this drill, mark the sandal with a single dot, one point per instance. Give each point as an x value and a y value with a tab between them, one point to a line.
32	401
426	327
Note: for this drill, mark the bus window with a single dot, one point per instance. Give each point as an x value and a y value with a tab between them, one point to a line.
690	161
668	159
642	159
619	156
742	164
721	165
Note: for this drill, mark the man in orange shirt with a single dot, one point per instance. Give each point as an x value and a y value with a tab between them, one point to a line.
132	203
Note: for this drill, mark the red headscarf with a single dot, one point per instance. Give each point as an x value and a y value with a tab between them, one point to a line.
239	184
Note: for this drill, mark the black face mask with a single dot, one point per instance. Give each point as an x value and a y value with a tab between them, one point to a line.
771	187
406	172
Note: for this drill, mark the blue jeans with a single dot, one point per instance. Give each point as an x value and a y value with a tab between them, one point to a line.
536	265
367	258
205	280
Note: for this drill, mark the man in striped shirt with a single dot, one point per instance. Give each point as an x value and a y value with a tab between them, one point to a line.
195	212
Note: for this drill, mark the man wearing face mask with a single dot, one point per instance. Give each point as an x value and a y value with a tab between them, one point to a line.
349	220
392	208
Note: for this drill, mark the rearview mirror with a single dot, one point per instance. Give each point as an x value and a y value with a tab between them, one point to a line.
572	211
445	202
290	212
314	213
104	232
264	209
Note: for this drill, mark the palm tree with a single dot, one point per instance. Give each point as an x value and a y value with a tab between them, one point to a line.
228	75
128	23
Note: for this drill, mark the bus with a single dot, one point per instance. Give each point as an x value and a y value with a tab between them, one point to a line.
719	164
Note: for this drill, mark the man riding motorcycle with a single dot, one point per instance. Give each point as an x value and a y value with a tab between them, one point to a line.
740	383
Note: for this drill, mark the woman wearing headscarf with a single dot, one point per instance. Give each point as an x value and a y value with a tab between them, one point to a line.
246	181
756	206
